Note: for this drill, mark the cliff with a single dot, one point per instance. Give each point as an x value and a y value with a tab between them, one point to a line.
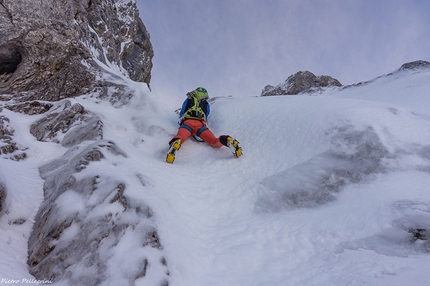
56	49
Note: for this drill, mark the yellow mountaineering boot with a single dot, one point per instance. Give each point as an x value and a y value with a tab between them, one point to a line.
174	146
234	146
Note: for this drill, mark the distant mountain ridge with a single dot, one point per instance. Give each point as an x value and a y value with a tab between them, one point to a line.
306	81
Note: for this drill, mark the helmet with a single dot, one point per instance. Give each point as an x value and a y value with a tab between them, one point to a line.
201	93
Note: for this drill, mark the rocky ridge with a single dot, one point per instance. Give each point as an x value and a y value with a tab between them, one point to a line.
302	81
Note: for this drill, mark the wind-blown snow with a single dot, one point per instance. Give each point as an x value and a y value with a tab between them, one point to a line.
328	191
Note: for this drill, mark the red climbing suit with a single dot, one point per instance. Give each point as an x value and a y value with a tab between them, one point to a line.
197	128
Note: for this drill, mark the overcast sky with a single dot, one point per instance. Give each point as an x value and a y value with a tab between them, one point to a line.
237	47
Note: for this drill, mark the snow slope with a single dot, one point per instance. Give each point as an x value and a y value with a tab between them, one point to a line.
327	192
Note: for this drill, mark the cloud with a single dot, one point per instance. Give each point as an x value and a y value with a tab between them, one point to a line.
237	47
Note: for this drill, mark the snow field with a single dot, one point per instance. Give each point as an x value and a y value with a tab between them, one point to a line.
324	194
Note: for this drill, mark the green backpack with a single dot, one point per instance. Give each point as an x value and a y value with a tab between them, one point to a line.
197	96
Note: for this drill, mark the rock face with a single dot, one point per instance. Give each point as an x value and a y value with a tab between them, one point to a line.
55	49
50	52
300	82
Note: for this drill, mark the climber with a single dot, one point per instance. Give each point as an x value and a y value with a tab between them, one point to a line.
193	122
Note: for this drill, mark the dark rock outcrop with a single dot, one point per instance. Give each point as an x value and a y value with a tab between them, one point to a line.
415	65
2	198
76	123
302	81
55	49
30	107
9	148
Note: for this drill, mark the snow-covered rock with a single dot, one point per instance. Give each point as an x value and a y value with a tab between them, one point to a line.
71	122
9	149
87	218
303	81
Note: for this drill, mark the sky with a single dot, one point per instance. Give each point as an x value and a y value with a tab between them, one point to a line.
238	47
